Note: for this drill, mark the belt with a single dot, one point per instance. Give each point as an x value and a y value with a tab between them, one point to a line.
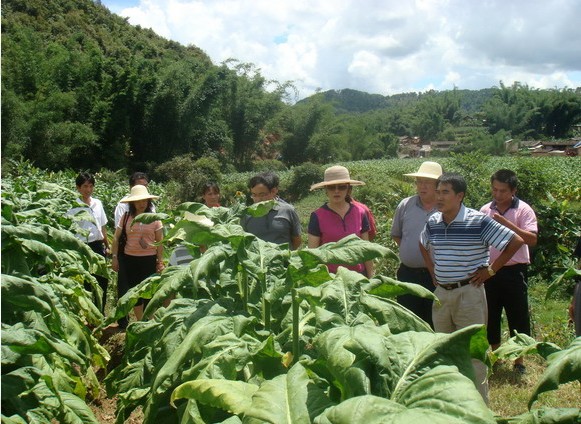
453	286
414	270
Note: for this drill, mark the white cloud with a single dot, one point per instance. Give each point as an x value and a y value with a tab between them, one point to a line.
384	47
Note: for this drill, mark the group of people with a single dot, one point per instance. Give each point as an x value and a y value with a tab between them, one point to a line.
136	251
339	217
474	261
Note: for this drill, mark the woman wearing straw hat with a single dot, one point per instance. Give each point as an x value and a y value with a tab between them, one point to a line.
339	217
140	257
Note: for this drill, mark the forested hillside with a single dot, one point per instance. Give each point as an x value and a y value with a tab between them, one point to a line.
83	89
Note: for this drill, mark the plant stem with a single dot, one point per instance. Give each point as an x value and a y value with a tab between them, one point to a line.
296	345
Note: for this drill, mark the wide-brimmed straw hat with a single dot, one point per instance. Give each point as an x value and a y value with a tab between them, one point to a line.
336	175
138	192
428	169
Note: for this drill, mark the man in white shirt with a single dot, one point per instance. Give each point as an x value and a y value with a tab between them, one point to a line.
93	231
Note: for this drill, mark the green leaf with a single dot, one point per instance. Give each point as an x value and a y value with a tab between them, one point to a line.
563	367
350	250
388	312
259	209
287	399
522	344
339	361
30	341
148	218
388	287
400	358
440	396
232	396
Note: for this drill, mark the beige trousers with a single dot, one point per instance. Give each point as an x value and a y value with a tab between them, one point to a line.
460	308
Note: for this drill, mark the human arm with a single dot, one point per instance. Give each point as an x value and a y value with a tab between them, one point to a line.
529	237
313	241
480	276
369	265
105	239
397	222
115	250
159	266
296	242
429	262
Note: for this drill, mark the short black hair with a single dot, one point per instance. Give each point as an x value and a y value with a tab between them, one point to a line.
268	178
457	181
505	176
210	185
137	176
83	177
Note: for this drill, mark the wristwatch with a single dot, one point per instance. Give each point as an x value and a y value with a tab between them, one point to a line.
490	270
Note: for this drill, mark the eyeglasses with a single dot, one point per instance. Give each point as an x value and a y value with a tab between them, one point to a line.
340	187
261	195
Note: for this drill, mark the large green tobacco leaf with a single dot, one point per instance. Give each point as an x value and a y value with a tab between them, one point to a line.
350	250
340	296
563	367
198	335
388	287
25	295
224	357
42	245
287	399
338	364
26	341
400	359
439	396
522	344
64	407
345	296
290	398
232	396
396	317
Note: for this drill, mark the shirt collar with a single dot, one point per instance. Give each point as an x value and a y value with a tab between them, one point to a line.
420	205
513	205
460	216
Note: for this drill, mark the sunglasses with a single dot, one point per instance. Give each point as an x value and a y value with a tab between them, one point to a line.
340	187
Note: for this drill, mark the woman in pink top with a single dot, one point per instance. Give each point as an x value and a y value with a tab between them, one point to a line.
339	216
140	257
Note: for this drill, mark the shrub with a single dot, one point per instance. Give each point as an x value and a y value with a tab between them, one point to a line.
268	165
303	177
187	177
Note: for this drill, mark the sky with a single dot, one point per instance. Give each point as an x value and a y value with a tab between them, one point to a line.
381	47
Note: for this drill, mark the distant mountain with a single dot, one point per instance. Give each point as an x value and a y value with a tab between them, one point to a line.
354	101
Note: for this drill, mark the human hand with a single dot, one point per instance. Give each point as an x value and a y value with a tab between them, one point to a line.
115	263
479	277
159	266
500	219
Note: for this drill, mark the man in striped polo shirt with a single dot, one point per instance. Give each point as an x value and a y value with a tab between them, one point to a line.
454	244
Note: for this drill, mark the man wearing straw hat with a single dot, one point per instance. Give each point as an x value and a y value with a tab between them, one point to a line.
410	217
